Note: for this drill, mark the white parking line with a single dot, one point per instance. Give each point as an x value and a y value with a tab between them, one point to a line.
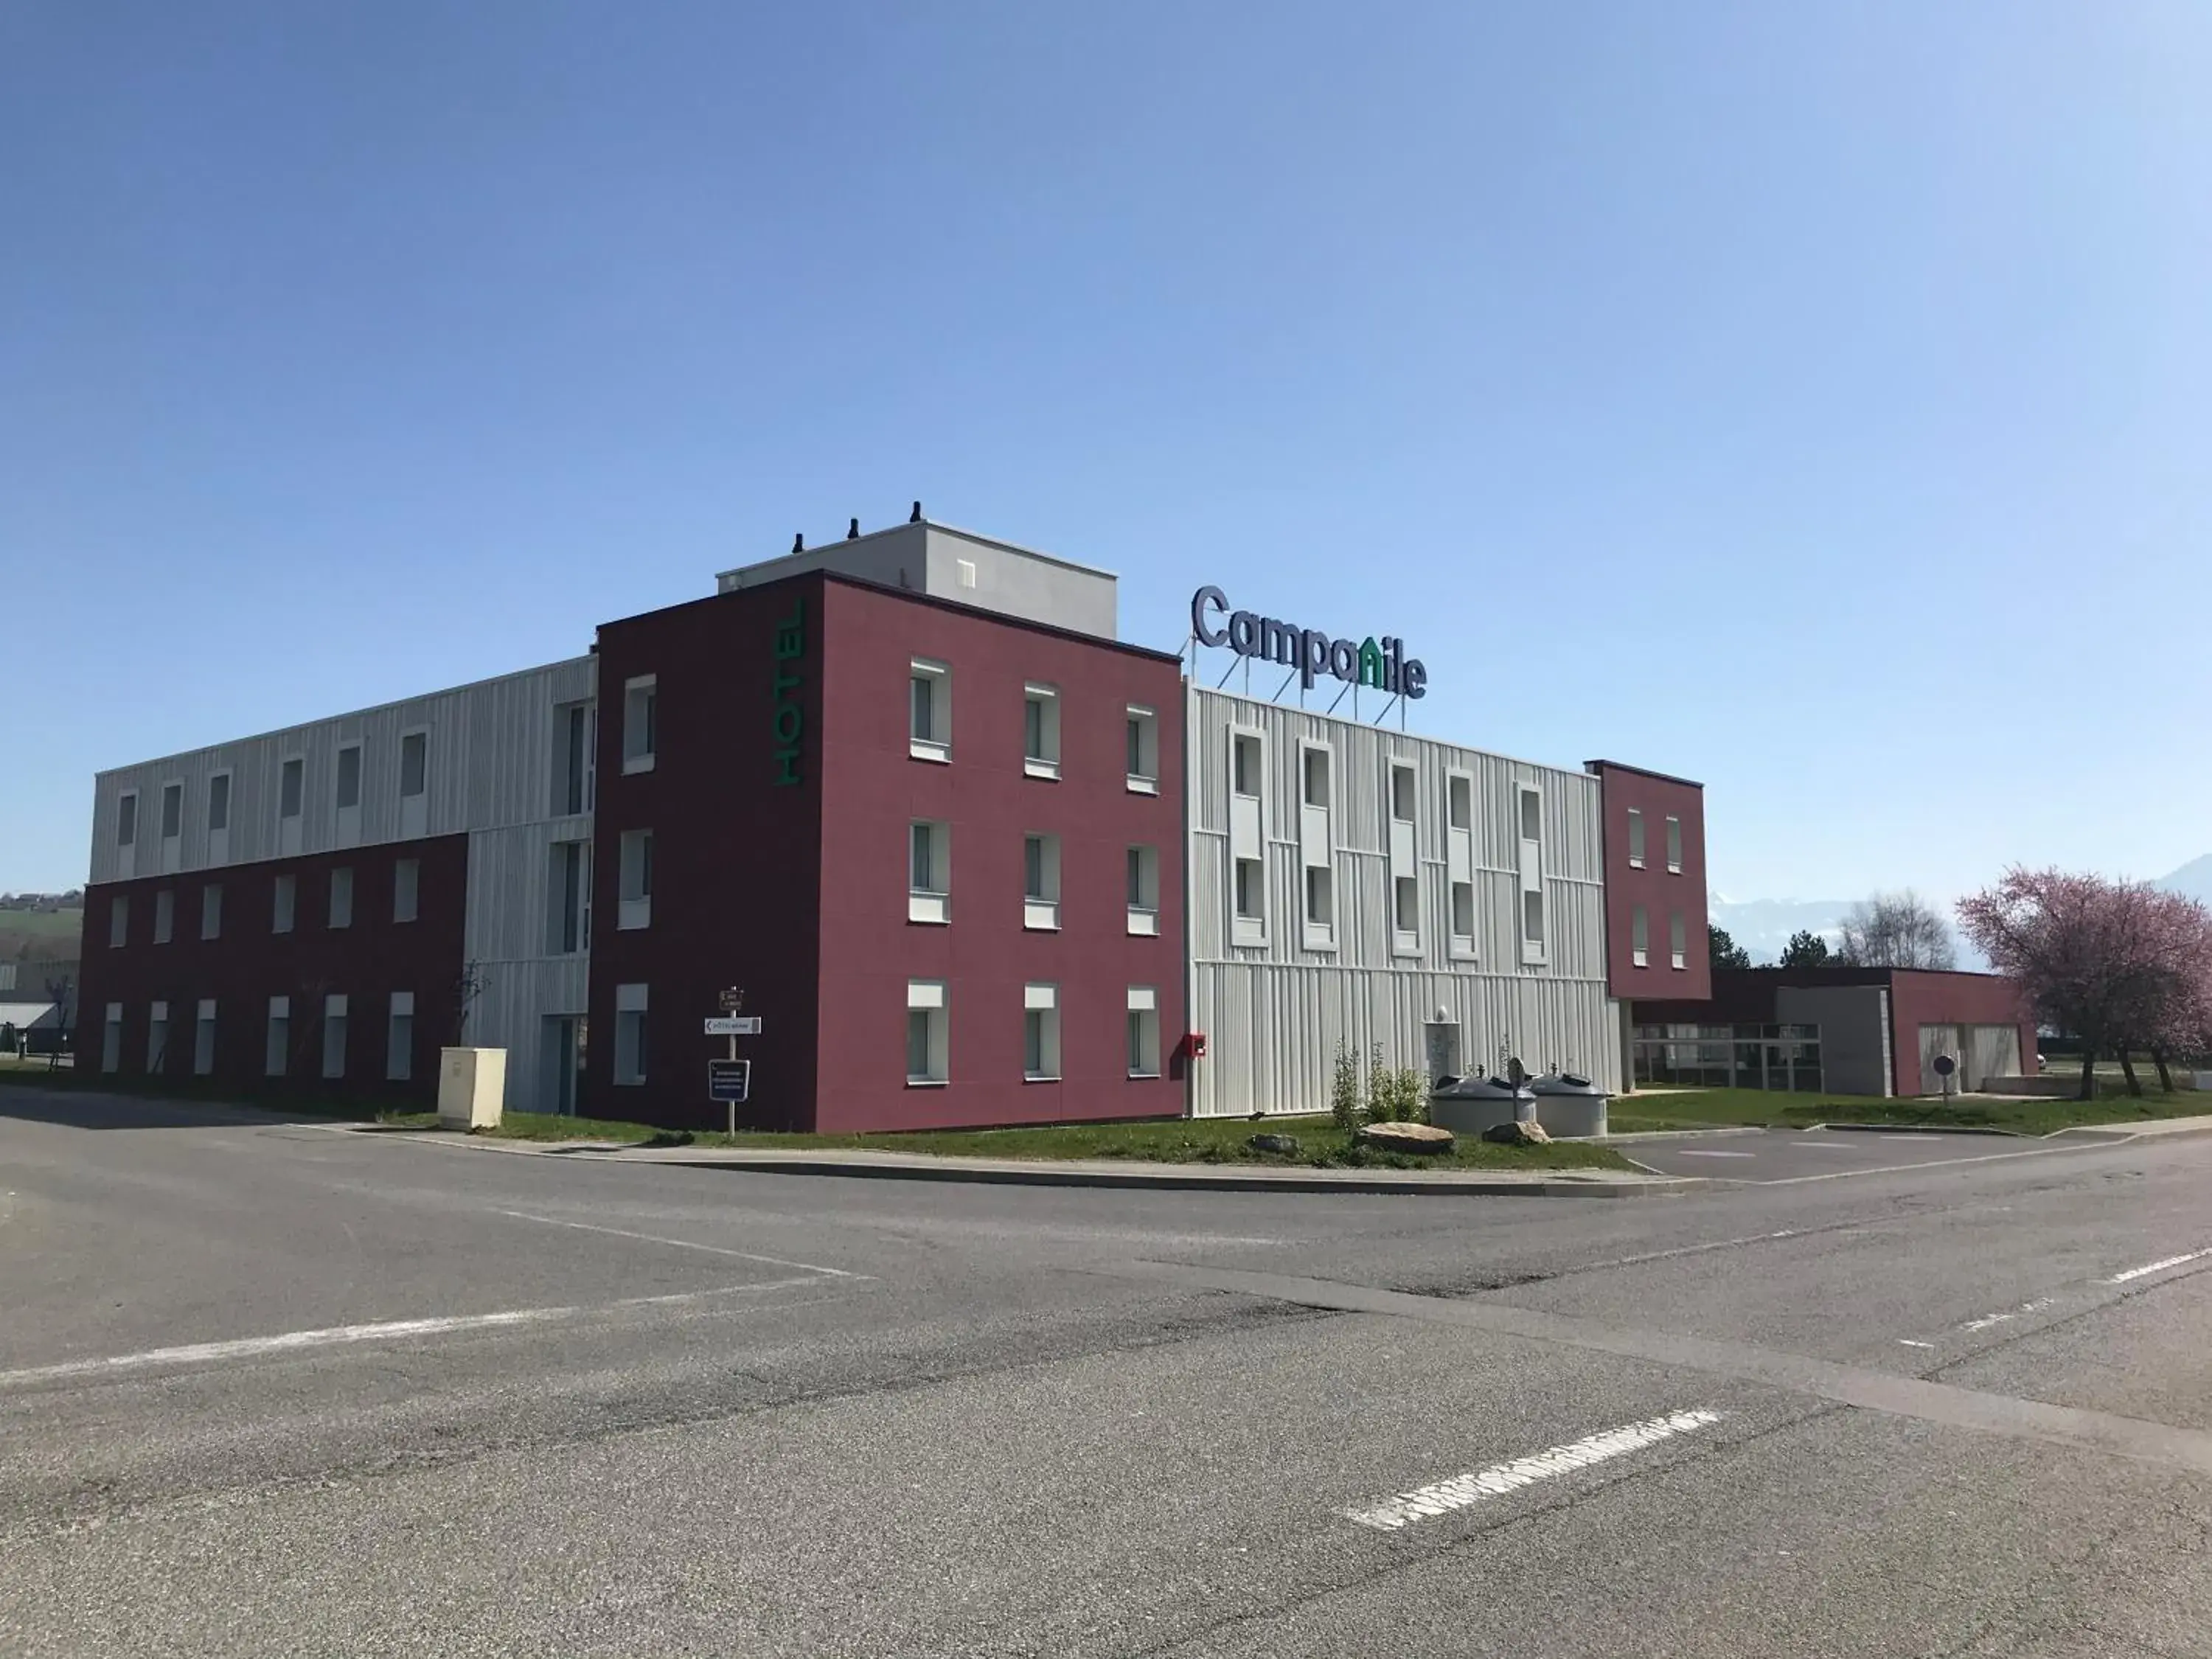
682	1244
253	1347
1457	1493
1689	1153
2157	1267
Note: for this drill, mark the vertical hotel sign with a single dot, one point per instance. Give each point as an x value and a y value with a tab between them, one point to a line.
788	718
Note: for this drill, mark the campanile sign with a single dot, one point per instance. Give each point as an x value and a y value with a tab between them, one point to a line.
1310	652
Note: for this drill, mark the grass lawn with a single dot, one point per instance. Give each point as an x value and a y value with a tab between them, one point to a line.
1175	1140
1705	1108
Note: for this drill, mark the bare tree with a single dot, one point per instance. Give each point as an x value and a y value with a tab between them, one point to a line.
1896	930
468	984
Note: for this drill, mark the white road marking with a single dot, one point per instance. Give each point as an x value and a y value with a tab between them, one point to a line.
1908	1342
253	1347
1708	1153
683	1244
1457	1493
1985	1322
2155	1267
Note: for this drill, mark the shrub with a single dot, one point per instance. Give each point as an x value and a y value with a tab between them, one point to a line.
1343	1090
1409	1095
1381	1097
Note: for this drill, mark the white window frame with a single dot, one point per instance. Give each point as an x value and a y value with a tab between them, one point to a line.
157	1039
345	816
111	1038
1636	838
165	915
203	1038
1315	835
1639	937
334	1037
929	997
399	1055
276	1039
936	743
1529	864
211	910
126	847
1146	719
1678	942
407	889
284	903
1461	940
1041	910
172	840
118	921
1674	845
1046	699
291	828
222	785
1141	1037
1247	837
574	776
1401	808
1144	906
1041	1014
633	880
929	892
633	1053
640	723
414	809
340	915
1533	946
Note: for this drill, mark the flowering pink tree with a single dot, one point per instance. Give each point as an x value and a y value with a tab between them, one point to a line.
2118	963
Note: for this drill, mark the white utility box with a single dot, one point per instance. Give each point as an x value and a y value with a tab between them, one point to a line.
471	1087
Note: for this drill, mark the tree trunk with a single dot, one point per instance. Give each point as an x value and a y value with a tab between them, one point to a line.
2128	1071
2089	1089
2164	1076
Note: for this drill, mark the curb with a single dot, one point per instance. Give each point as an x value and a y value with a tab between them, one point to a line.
1637	1137
1925	1129
1392	1183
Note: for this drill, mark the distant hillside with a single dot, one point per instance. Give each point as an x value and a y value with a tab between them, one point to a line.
40	933
2193	880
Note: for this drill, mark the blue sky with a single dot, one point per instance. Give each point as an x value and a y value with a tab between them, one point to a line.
1810	399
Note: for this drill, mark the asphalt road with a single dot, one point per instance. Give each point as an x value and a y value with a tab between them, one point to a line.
1816	1154
290	1389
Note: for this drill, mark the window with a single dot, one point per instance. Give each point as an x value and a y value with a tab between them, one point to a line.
1532	816
219	801
1040	1034
1463	917
1678	941
929	873
1460	811
277	1055
1041	730
111	1039
1144	751
1405	905
635	875
1316	769
211	911
1144	883
349	796
1244	765
640	718
1144	1031
1675	846
413	784
406	889
342	897
926	1044
172	810
1401	794
1040	881
118	921
334	1036
1250	886
282	902
157	1039
568	921
572	777
203	1039
1640	938
1532	918
291	790
399	1038
1634	839
126	819
1320	898
929	711
165	916
629	1034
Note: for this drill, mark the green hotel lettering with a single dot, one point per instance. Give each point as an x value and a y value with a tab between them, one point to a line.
1370	663
790	719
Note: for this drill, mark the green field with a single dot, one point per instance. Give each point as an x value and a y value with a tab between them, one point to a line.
42	929
1714	1108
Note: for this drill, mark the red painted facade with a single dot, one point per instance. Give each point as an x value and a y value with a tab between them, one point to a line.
248	962
1664	892
780	799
